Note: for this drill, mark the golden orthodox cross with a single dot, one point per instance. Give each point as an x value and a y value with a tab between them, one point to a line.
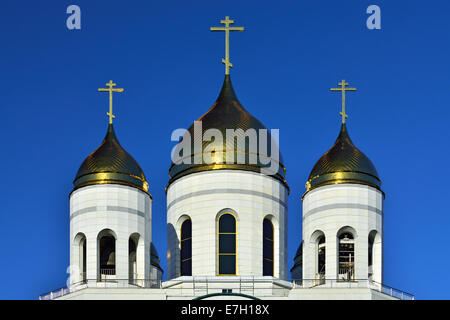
343	88
110	89
227	30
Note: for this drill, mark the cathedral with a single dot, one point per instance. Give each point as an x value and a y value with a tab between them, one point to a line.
227	217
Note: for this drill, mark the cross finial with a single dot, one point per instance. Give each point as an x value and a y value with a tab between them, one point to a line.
227	30
110	89
343	88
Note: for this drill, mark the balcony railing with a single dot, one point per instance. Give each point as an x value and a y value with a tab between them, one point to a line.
352	283
101	283
198	286
391	291
108	272
347	274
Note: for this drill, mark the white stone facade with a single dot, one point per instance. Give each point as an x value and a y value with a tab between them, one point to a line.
332	209
113	209
250	196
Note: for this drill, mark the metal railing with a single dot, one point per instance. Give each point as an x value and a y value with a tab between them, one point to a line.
55	294
352	283
402	295
199	286
101	283
247	285
108	272
347	273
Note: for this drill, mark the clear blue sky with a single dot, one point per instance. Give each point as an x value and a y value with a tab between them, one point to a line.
163	54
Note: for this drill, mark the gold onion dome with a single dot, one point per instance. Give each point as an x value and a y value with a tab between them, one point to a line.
110	164
343	163
228	113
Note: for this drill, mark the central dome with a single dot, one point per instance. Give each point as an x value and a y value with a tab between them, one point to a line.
227	113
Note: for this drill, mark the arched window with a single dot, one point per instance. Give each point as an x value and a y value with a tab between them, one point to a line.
375	256
317	245
186	248
83	256
346	256
370	251
132	263
321	257
107	254
80	251
267	248
226	238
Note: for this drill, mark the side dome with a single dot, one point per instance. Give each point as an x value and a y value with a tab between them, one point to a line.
154	257
343	163
298	259
228	113
110	163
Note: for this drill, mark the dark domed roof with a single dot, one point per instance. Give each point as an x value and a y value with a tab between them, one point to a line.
154	258
298	259
227	113
110	163
343	163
